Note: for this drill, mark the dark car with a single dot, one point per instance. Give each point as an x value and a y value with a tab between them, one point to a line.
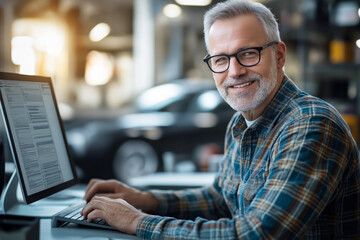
174	118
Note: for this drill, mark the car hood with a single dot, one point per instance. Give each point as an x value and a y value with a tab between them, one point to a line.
130	121
145	120
79	137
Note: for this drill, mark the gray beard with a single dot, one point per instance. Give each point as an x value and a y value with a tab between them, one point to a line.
265	86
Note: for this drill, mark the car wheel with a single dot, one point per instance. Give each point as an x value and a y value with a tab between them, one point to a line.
134	158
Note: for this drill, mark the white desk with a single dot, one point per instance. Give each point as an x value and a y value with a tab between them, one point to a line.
72	232
158	180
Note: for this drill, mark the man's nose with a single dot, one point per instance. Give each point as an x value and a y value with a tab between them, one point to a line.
235	68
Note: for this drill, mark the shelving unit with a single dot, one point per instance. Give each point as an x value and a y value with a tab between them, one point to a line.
329	67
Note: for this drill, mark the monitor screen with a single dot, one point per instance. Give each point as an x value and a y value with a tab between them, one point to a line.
36	135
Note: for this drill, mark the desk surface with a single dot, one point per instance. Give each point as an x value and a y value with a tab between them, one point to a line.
72	232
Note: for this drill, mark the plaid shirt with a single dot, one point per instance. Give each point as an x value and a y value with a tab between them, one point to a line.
294	174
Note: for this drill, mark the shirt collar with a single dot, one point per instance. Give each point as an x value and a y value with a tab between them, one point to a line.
276	108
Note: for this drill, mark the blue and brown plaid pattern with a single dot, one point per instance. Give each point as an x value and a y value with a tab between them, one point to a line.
294	174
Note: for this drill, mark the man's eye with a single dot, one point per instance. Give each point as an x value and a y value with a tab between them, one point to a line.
220	60
247	54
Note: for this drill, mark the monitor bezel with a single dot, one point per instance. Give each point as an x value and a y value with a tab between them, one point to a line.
46	192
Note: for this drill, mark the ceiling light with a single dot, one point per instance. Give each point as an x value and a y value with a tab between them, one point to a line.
172	10
99	32
193	2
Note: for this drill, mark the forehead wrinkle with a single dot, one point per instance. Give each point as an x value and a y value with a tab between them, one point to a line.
230	35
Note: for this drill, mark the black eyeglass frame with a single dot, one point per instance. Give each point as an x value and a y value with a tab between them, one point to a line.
259	49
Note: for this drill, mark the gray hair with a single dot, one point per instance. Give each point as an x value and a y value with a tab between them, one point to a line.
235	8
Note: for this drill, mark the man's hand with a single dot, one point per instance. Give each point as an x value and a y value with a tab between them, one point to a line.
116	212
117	190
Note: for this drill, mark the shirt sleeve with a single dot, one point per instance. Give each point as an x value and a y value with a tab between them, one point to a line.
307	163
190	204
206	202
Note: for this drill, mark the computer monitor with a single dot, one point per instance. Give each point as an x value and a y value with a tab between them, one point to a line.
35	135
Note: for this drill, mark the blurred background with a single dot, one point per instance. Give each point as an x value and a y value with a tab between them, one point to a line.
133	91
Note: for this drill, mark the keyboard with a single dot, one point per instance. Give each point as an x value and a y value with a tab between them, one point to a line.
72	214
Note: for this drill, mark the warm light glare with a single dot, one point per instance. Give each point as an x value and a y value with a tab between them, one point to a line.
99	68
37	45
23	54
50	40
358	43
99	32
193	2
172	10
19	45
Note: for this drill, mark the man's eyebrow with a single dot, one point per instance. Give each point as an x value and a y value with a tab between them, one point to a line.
240	49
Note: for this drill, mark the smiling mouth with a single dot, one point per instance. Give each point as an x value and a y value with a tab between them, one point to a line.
243	84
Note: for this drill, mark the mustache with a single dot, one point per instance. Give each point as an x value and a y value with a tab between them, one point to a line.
240	80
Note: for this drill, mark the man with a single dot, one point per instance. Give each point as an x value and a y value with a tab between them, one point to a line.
290	168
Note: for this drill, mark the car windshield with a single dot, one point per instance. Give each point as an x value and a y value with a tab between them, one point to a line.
161	98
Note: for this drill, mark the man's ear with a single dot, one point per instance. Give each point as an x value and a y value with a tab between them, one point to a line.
280	54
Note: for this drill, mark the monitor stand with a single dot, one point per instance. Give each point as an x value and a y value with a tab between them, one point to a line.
9	198
12	205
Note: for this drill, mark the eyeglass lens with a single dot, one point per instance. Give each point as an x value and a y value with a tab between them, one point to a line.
247	57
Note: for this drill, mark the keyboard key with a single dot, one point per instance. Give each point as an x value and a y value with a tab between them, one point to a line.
73	215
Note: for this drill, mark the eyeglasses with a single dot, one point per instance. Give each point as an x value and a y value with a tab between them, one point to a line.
246	57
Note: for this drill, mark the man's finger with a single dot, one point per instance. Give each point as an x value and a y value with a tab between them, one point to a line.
95	203
91	183
109	195
98	187
96	213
